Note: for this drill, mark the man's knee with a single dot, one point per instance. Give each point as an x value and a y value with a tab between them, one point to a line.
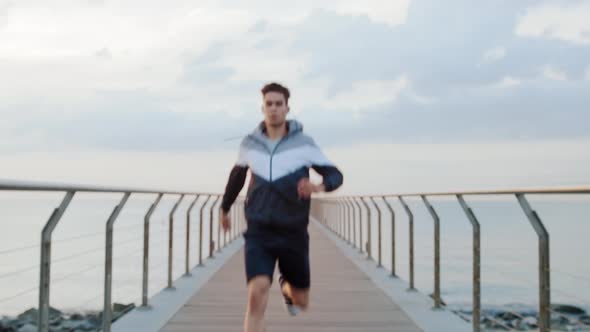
301	297
258	289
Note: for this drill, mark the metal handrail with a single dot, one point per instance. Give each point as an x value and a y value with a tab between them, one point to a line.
532	191
520	195
13	185
70	191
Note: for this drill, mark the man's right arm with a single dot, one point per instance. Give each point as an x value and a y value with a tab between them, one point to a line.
237	178
235	183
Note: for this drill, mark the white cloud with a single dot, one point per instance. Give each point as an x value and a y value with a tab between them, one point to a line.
508	81
494	54
366	94
569	23
143	46
392	12
554	74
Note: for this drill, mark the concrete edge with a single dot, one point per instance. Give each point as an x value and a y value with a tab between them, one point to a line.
166	303
416	305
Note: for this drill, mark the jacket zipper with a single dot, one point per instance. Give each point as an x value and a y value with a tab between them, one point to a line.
272	153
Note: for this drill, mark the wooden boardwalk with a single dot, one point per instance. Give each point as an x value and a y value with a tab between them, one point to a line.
342	299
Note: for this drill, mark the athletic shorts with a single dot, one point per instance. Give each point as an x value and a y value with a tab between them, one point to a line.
264	249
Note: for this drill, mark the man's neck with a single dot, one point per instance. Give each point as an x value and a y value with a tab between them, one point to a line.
275	133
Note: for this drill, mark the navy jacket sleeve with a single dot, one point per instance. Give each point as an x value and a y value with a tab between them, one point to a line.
333	178
237	178
235	183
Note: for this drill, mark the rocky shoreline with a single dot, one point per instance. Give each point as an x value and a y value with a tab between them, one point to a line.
60	321
494	318
518	317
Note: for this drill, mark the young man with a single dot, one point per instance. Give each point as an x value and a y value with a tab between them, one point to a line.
279	157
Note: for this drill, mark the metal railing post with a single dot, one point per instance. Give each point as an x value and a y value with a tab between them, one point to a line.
171	242
211	242
436	295
188	237
146	251
378	232
411	242
544	264
369	235
351	218
107	313
358	205
347	220
393	242
201	230
236	222
342	221
45	273
243	220
476	263
218	233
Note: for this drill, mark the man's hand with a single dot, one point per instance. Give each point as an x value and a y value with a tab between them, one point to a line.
224	220
305	188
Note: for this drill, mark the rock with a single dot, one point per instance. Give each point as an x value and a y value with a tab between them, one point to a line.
567	309
558	321
584	319
94	319
527	323
76	317
32	315
118	307
5	325
87	326
29	315
507	316
78	325
28	328
121	309
54	312
10	323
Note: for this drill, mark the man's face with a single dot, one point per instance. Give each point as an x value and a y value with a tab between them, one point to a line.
275	109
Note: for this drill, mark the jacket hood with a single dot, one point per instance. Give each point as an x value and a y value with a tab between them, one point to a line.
293	126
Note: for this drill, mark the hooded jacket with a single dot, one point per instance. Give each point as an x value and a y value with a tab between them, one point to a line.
272	199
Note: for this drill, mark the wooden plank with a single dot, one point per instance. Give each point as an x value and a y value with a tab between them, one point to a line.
342	299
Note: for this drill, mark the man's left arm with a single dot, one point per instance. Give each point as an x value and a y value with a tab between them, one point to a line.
332	177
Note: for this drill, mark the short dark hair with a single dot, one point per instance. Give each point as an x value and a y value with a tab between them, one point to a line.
276	87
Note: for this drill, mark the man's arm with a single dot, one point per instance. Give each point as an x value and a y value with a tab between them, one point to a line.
332	177
237	178
235	183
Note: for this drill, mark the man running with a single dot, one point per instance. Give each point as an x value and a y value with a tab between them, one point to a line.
277	204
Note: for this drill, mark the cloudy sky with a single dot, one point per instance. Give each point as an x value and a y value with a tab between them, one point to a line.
404	95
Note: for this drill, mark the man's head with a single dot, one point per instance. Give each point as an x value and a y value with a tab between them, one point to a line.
275	104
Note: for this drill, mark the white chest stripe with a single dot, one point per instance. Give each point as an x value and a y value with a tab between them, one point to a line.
283	163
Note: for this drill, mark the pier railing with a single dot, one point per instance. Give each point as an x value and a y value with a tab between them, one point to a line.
71	190
343	215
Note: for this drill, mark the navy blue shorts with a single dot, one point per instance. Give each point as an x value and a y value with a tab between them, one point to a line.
264	249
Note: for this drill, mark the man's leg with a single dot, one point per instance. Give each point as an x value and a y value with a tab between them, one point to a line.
260	265
258	289
299	297
295	271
